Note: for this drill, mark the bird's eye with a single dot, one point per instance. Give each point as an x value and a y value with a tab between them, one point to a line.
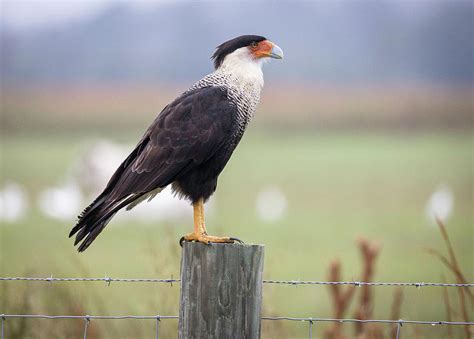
254	44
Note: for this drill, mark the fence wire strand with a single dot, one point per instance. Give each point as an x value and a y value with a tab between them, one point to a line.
157	333
170	281
90	317
86	326
399	328
385	321
312	321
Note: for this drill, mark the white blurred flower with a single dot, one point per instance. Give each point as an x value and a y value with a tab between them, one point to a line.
271	204
89	175
94	167
164	207
440	204
61	202
13	202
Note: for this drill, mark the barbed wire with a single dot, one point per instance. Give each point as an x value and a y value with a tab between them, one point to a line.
385	321
108	280
311	320
171	280
364	283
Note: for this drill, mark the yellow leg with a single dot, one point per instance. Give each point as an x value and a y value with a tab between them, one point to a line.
200	233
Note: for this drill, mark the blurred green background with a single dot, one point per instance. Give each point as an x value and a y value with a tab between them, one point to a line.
362	131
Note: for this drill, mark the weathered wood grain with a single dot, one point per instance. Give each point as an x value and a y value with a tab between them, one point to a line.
221	291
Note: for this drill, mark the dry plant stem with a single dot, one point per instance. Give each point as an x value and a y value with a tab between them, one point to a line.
369	254
459	276
341	298
465	316
453	261
455	270
447	304
416	332
396	309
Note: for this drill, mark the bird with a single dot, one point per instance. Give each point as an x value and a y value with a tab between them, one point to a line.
189	142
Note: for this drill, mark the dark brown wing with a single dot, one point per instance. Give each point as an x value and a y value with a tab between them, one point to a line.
185	134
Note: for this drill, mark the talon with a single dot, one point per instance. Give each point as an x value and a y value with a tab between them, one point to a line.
200	233
206	239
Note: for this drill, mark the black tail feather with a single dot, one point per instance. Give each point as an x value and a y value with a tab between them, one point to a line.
94	219
91	235
87	214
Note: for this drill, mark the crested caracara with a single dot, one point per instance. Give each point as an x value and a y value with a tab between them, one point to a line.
189	142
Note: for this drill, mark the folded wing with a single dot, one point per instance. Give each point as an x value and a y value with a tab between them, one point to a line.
185	134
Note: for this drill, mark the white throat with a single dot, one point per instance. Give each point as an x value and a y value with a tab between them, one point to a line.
244	68
241	75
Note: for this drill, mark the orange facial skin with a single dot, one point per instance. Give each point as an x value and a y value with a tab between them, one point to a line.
263	49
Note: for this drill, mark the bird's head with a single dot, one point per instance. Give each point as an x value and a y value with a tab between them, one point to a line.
245	50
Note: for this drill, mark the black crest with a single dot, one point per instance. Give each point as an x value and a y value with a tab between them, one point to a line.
229	46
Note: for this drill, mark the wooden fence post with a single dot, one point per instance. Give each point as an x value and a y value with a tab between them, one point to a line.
221	291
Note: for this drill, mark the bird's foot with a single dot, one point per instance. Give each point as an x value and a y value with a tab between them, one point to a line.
207	239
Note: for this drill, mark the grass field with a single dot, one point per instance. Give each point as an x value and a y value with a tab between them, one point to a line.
339	186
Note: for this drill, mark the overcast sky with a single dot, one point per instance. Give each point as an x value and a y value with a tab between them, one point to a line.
21	14
25	14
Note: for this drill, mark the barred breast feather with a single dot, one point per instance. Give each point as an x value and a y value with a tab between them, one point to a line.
187	145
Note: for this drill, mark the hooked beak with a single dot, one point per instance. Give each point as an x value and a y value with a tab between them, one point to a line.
276	52
267	49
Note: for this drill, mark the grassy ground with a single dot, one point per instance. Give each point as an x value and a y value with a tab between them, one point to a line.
339	186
